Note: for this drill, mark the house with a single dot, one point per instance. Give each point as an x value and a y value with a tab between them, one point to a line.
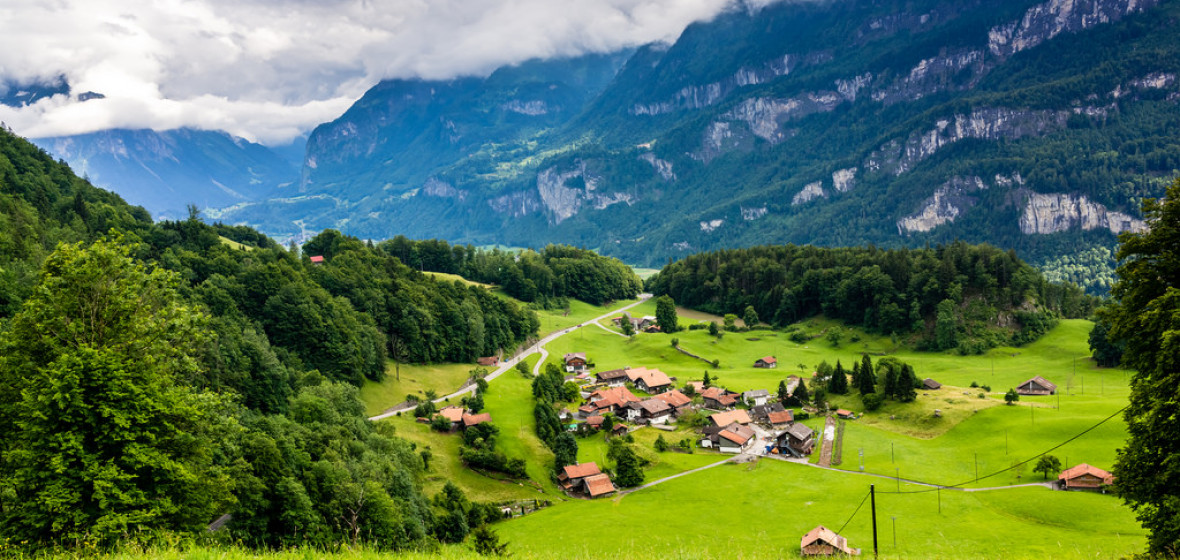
639	324
768	362
572	478
1084	477
845	414
599	485
454	414
931	384
1036	386
317	259
781	418
470	420
677	400
653	411
733	416
608	400
488	361
732	438
761	412
612	378
574	362
649	380
798	437
595	421
756	397
822	541
718	398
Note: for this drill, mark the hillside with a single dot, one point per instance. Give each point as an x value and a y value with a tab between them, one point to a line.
1036	126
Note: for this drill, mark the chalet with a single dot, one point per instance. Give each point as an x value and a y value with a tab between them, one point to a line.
649	380
781	418
718	398
470	420
652	411
732	438
572	478
931	384
1084	477
612	378
599	485
761	412
677	400
1036	386
768	362
608	400
488	361
317	259
454	414
595	421
575	362
733	416
756	397
822	541
798	437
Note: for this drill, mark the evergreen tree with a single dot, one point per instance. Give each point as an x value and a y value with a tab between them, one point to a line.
800	393
628	468
906	384
666	314
565	450
868	379
783	394
838	382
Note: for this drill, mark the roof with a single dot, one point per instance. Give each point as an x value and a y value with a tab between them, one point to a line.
649	377
317	259
841	412
784	417
653	406
615	396
931	384
755	394
599	484
452	413
697	386
737	433
674	398
1038	380
799	431
767	360
574	355
475	419
596	420
720	395
581	471
1083	469
487	360
727	418
826	535
612	374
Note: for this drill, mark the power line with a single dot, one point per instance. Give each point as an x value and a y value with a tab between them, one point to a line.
862	502
1014	466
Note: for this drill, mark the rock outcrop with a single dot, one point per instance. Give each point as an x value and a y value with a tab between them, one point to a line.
711	225
564	201
949	201
663	167
810	192
844	180
1050	19
1052	213
764	116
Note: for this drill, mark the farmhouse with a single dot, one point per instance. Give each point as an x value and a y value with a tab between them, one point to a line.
574	362
654	411
470	420
608	400
718	398
677	400
781	418
595	421
798	437
761	413
454	414
585	478
599	485
649	380
488	361
768	362
822	541
1036	386
756	397
733	438
1084	477
731	417
931	384
612	378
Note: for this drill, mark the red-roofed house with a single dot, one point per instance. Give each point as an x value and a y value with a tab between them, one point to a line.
718	398
599	485
766	362
572	477
653	381
488	361
652	410
454	414
727	418
608	400
317	259
470	420
822	541
1084	477
781	418
677	400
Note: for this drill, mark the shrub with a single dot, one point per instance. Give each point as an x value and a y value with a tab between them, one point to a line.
872	401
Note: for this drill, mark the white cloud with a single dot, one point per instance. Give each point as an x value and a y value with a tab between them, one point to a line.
269	69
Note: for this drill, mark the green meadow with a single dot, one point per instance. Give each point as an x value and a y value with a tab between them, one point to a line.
405	379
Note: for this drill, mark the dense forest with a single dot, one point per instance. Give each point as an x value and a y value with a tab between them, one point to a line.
158	376
969	297
546	278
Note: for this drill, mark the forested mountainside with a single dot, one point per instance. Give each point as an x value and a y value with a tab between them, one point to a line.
1036	126
158	376
956	296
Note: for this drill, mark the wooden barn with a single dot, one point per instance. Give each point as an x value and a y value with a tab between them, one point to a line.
1036	386
1084	477
822	541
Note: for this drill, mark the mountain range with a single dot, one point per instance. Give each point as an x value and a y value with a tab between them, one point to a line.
1035	126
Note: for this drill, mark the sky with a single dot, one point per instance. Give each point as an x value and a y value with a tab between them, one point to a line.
270	70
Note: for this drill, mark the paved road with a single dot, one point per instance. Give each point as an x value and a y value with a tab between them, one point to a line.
675	476
509	364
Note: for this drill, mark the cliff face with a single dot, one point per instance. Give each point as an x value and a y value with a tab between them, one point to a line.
1050	19
948	201
1053	213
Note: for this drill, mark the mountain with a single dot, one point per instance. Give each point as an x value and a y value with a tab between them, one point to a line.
1035	126
166	171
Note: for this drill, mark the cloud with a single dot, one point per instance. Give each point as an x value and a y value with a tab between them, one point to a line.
268	70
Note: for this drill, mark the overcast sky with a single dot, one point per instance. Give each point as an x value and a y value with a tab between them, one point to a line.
268	70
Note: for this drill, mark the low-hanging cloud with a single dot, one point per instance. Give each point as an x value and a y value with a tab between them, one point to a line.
268	70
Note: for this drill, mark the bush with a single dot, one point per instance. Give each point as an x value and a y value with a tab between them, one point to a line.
974	385
986	388
1011	396
872	401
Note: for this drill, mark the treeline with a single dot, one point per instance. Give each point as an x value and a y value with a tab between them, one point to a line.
969	297
546	278
154	377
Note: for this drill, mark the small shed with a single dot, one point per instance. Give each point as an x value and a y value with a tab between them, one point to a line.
317	259
488	361
822	541
1036	386
846	414
931	384
767	362
1084	477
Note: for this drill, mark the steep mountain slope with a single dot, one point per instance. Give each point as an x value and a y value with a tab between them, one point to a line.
165	171
1037	126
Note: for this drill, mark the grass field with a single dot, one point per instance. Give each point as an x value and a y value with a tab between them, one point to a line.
453	277
579	312
416	379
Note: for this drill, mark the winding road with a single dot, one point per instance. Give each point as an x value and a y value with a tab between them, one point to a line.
538	347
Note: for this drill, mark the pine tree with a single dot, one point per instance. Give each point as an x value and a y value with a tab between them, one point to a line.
838	383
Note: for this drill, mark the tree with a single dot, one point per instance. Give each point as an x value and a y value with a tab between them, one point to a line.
783	394
800	393
730	322
713	330
834	336
1105	352
838	382
1145	317
661	444
487	542
565	450
666	314
750	317
1011	397
628	328
706	381
102	437
1048	464
628	468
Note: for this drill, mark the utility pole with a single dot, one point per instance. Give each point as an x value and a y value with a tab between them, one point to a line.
939	492
891	457
977	467
897	471
873	506
894	518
